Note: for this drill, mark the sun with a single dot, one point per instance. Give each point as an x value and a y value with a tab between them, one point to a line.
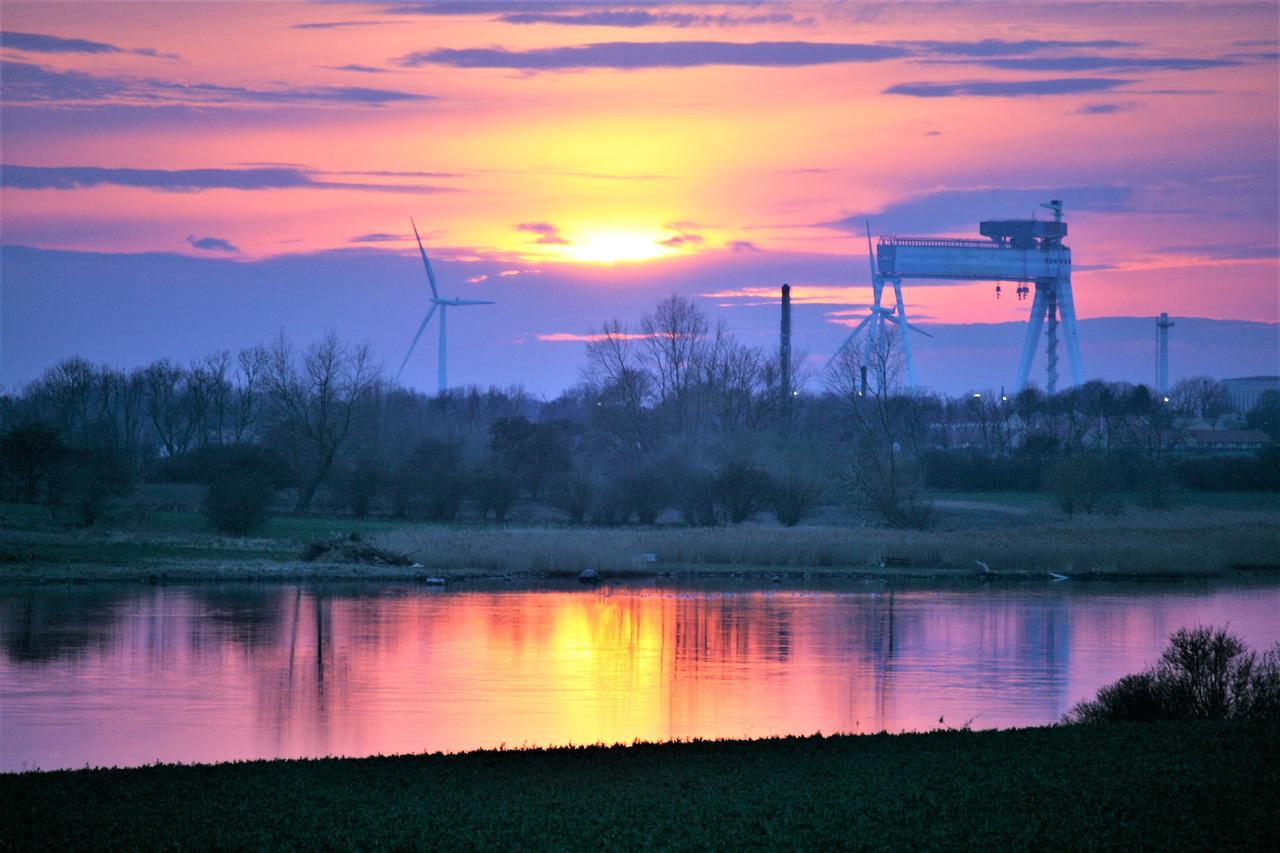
614	246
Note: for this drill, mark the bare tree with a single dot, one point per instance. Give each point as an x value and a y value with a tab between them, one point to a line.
616	375
166	406
1200	397
316	399
251	371
675	346
885	472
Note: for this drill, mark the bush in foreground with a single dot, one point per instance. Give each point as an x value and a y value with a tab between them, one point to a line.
1204	674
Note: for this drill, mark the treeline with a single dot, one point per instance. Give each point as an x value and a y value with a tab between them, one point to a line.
674	417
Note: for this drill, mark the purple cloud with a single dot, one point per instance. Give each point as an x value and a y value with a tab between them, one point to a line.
212	244
548	234
662	54
182	180
41	43
1007	88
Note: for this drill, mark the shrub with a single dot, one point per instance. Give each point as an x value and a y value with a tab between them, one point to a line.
214	461
891	485
645	494
794	498
742	489
83	483
573	493
698	500
28	456
1082	482
237	502
495	489
1204	674
436	473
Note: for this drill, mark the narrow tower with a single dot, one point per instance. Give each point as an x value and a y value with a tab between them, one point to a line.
1162	355
784	352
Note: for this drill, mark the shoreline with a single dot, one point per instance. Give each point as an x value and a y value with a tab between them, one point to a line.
1191	543
1151	785
194	572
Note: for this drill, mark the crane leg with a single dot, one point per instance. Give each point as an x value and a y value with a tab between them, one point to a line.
1032	338
1067	310
906	340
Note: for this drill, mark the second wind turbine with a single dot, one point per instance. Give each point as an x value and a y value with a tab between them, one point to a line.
443	305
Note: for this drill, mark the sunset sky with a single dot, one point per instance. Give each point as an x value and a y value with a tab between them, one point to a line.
184	177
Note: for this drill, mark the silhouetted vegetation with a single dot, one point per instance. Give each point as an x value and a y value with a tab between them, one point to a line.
1165	786
1205	674
674	421
237	501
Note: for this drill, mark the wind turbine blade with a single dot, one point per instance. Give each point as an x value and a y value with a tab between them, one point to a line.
431	276
913	327
849	340
472	302
425	320
871	256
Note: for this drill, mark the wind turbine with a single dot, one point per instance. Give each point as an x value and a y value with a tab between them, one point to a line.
443	305
877	315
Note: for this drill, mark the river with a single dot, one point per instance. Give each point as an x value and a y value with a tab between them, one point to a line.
128	675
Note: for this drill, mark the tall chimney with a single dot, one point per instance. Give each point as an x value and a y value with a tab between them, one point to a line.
784	346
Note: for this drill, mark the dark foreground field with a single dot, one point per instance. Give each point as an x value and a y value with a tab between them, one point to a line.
1156	786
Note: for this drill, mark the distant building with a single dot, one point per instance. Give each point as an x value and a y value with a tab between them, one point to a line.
1246	391
1226	441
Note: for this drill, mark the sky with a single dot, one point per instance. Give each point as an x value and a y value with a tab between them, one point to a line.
183	177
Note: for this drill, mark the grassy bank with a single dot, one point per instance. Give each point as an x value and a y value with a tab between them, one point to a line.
1154	786
1137	543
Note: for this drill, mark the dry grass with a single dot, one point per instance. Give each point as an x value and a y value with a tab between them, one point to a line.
1180	543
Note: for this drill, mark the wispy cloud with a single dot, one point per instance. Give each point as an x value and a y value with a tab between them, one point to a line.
212	244
359	69
1007	88
41	43
1104	109
631	18
548	234
661	54
1096	62
303	94
378	237
807	294
1001	47
744	246
182	180
574	338
1259	251
336	25
24	82
683	240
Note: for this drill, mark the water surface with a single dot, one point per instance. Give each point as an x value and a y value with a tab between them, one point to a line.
116	675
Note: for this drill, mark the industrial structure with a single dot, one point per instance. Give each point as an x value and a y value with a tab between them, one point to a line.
442	366
784	347
1026	251
877	316
1162	355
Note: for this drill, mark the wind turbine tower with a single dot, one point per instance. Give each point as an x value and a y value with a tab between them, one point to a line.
444	304
1162	355
878	315
1027	251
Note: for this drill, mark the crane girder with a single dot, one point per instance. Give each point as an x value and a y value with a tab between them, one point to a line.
969	260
